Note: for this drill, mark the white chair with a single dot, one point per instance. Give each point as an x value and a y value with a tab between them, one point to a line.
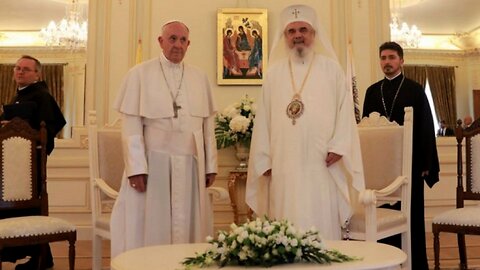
106	171
387	161
465	218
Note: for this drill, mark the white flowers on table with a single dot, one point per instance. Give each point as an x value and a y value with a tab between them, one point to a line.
265	243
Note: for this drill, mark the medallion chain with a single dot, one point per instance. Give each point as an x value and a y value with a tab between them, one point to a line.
296	107
298	93
394	99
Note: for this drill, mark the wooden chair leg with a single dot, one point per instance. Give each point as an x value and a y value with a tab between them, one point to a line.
42	255
462	251
436	249
71	254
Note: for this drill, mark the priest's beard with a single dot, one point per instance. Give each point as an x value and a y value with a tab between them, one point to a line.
301	53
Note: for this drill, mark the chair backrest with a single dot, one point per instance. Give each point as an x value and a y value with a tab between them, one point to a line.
106	158
471	137
23	167
386	150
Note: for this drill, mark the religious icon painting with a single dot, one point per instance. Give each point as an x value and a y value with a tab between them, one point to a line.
242	46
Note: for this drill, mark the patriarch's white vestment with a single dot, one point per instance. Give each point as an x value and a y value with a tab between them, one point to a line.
176	153
301	187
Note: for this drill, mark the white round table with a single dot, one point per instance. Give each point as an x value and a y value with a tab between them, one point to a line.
169	257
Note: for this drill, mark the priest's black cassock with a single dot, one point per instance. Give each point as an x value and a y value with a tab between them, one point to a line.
425	158
41	107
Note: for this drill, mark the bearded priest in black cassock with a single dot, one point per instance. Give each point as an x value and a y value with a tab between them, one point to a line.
389	97
34	104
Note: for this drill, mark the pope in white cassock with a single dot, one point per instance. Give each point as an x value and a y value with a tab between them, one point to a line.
305	148
169	150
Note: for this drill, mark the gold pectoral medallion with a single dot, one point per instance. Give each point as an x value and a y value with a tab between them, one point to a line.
295	109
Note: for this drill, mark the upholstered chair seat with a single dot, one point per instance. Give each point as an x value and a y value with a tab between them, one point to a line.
33	226
468	216
387	219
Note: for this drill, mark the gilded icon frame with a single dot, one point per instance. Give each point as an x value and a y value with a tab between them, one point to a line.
242	47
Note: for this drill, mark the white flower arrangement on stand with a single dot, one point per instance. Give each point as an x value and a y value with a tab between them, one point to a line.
235	123
234	126
265	243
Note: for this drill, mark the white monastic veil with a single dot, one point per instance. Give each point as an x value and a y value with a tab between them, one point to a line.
322	45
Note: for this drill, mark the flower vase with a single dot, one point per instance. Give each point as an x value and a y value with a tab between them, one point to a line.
241	152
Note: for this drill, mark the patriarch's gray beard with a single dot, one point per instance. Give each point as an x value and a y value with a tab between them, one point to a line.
301	53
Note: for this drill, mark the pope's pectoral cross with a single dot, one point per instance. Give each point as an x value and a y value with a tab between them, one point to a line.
175	109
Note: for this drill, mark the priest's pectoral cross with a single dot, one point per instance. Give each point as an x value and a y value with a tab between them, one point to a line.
175	109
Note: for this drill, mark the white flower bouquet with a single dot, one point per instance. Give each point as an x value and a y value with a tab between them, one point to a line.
265	243
235	123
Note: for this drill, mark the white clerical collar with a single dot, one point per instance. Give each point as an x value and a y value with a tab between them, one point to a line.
23	87
169	63
392	78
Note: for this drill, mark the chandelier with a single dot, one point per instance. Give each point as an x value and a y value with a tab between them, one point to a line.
70	32
405	36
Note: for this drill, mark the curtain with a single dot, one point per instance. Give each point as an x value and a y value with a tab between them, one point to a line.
416	73
442	86
7	84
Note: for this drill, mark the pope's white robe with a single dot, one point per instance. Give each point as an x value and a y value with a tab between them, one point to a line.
176	153
301	188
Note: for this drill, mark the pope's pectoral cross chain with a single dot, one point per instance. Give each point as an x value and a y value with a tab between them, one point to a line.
176	107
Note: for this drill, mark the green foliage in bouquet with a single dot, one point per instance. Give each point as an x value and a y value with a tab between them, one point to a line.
265	243
235	123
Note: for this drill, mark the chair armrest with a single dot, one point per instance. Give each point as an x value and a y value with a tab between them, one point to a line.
369	196
217	193
105	188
